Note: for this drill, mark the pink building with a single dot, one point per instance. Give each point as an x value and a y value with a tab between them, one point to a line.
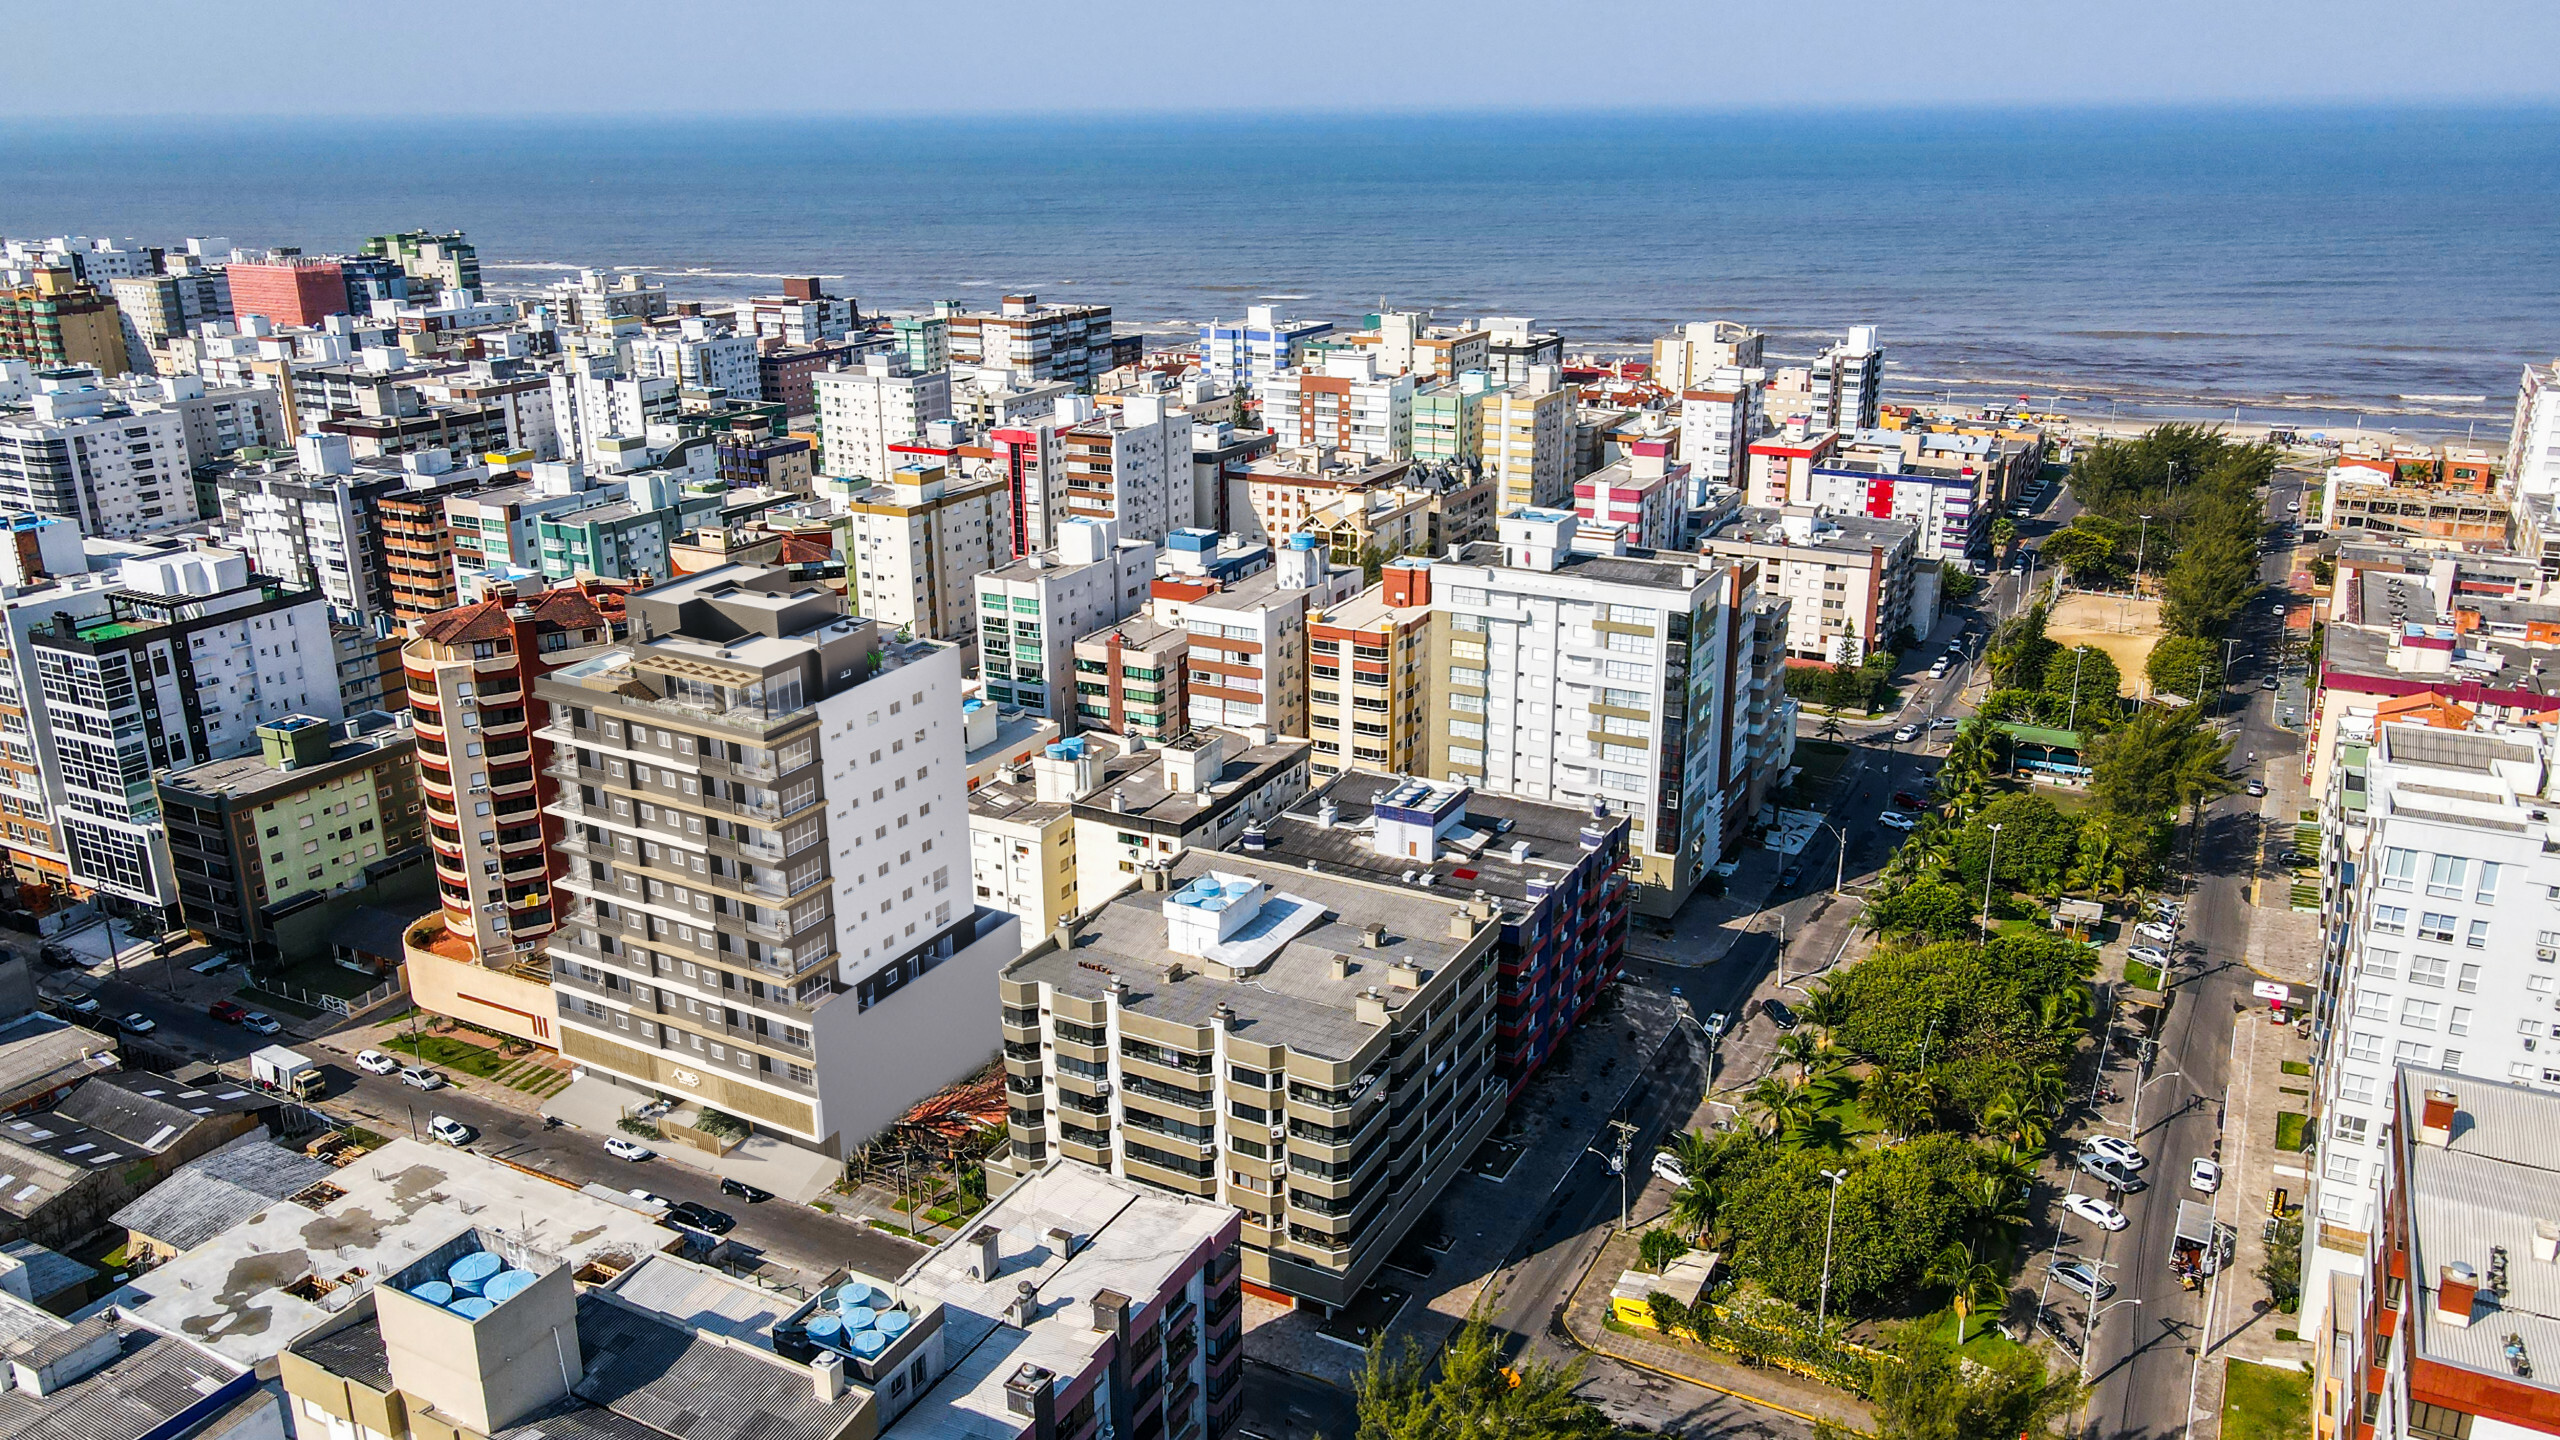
1644	492
291	291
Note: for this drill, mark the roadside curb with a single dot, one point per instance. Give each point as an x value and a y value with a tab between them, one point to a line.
1726	1391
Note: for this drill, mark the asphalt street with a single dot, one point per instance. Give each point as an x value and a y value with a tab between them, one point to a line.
2144	1364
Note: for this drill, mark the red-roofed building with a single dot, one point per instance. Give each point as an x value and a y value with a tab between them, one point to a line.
484	769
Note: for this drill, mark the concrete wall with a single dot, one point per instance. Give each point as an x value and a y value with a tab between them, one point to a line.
476	995
929	1033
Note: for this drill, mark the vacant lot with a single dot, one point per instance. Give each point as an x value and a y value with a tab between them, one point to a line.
2122	626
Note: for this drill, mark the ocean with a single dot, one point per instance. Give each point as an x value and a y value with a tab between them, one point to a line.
2330	268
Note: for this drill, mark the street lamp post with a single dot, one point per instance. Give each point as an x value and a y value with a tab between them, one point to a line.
1618	1162
2133	1118
2089	1341
1988	870
2072	717
2141	547
1822	1306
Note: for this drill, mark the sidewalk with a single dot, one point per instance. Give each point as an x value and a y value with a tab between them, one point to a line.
1482	1219
1585	1319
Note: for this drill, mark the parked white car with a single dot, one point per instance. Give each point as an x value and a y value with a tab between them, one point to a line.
2204	1175
1667	1168
2094	1210
621	1149
451	1131
374	1062
2119	1151
1898	820
2155	930
2151	955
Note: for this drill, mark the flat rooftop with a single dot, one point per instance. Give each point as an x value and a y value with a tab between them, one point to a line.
1130	1237
1637	567
1499	848
1292	999
1766	525
1138	632
247	777
396	1205
1137	779
2482	1192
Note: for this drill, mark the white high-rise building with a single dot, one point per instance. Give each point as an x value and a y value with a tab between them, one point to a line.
1343	405
863	412
193	654
771	910
698	354
1031	612
1564	670
1719	418
1703	347
2448	946
1848	382
2533	447
81	451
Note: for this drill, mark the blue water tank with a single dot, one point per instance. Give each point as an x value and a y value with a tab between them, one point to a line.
473	1271
869	1343
826	1329
859	1319
472	1307
434	1292
892	1323
507	1285
852	1293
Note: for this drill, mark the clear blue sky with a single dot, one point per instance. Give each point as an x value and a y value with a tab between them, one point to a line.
988	57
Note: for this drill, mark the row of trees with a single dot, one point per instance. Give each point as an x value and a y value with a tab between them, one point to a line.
2200	490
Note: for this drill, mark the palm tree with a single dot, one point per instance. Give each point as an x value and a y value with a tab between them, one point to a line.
2063	1015
1830	728
2008	1117
1780	1106
1693	1206
1970	1282
1694	1152
2003	535
1999	1207
1800	1049
1900	1101
1823	1010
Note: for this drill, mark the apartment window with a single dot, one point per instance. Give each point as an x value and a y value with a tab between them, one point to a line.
2435	1422
2459	1022
2467	980
2364	1045
2433	925
2477	936
2372	1005
2445	876
2487	891
2427	970
2382	964
2355	1089
2342	1167
2418	1014
2391	919
2347	1127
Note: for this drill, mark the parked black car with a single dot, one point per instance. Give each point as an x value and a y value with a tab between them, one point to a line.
702	1217
1778	1013
752	1194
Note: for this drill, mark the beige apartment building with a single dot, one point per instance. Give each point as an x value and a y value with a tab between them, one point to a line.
915	546
1525	441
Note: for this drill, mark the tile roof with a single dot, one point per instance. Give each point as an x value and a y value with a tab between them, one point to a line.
217	1191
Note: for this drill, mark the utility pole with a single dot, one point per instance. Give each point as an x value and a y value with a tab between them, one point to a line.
1822	1306
2079	663
1987	872
2141	547
1618	1162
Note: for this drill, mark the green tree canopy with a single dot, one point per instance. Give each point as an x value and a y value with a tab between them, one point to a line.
1899	1207
2082	550
1934	1393
1930	910
2088	673
1471	1398
2187	665
2036	845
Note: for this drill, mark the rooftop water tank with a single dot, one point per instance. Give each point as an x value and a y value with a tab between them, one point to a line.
870	1343
826	1330
892	1323
507	1285
852	1293
473	1271
472	1307
859	1319
434	1292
